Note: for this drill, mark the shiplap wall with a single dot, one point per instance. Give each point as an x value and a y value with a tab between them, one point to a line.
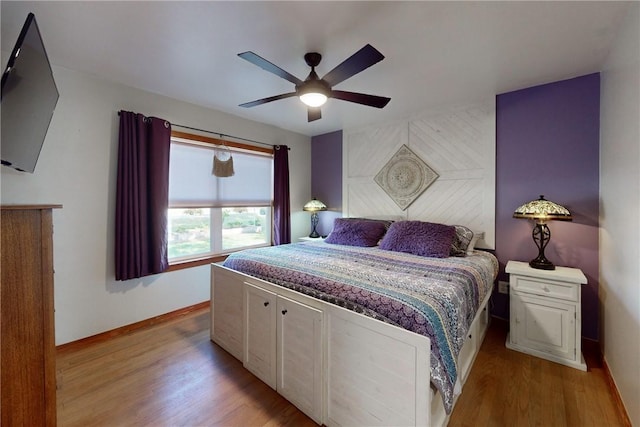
456	142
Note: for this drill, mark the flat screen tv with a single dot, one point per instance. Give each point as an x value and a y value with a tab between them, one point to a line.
29	97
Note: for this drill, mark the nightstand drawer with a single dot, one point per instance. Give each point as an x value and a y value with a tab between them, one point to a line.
566	291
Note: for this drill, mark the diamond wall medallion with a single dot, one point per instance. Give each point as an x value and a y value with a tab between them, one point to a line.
405	177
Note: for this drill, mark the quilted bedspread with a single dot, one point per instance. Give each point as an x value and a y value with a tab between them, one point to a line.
435	297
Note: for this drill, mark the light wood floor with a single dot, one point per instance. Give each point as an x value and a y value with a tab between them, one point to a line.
509	388
172	375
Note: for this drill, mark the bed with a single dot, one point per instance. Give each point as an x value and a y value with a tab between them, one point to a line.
356	334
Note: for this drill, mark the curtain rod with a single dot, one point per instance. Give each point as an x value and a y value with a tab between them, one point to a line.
222	135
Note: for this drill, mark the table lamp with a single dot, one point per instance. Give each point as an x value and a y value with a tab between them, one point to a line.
314	206
541	211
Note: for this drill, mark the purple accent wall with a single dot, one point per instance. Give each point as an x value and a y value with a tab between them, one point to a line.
547	142
326	177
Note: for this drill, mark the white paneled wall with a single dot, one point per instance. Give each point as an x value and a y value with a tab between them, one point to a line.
457	142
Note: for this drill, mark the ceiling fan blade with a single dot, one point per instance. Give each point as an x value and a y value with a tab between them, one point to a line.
272	68
361	98
359	61
313	113
269	99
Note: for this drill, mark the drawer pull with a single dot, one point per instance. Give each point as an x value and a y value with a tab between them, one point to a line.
545	288
284	312
266	303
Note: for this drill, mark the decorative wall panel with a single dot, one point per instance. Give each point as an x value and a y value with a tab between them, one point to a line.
457	143
405	177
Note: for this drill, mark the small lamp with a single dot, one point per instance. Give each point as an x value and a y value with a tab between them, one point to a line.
314	206
541	211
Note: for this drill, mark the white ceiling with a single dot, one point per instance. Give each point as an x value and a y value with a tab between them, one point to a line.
437	53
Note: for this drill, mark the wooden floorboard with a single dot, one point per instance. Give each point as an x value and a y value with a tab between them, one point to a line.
171	374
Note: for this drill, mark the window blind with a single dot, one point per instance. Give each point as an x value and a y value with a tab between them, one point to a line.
192	185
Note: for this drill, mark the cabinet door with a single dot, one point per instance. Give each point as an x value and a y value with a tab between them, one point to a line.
544	324
300	356
260	333
226	319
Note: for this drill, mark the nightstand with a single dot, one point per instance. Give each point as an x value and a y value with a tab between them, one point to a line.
311	239
545	314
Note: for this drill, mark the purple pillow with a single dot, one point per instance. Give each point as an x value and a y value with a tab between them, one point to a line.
419	238
356	232
386	222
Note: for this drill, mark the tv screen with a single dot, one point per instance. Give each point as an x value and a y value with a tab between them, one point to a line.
29	96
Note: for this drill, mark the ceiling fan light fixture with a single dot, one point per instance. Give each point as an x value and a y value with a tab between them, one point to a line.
313	99
313	92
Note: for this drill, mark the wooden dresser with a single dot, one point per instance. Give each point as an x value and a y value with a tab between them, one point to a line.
27	342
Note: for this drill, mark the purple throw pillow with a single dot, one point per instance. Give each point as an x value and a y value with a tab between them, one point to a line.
386	222
356	233
419	238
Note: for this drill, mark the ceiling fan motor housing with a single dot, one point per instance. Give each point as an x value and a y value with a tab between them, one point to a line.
312	59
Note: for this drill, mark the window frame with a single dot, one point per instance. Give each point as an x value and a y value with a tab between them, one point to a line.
202	139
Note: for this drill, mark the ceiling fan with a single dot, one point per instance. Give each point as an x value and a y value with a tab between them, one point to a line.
314	91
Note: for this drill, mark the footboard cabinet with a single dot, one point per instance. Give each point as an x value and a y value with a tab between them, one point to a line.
299	355
260	337
278	339
337	366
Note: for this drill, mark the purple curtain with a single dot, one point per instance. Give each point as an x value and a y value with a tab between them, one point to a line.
281	204
142	197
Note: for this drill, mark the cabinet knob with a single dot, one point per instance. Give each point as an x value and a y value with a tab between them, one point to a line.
545	288
266	303
284	312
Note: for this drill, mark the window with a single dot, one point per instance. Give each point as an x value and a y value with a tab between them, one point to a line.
208	215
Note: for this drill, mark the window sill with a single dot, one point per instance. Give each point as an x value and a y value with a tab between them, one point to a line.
181	265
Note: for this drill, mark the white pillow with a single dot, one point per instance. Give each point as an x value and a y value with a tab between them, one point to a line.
477	235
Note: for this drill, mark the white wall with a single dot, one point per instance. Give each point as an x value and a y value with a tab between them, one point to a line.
77	168
620	212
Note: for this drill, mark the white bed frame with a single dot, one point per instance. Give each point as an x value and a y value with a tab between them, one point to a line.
337	366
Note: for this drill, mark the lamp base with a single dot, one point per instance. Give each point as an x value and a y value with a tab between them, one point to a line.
541	264
541	236
314	223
